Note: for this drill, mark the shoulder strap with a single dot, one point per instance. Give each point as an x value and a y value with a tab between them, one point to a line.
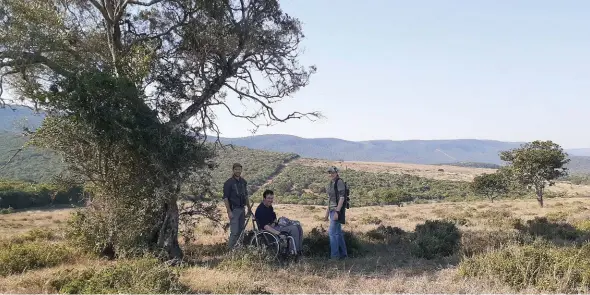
336	187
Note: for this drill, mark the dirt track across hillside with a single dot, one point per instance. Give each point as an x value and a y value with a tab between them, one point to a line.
428	171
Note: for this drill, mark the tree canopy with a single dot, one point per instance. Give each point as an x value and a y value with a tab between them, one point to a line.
131	88
536	165
490	185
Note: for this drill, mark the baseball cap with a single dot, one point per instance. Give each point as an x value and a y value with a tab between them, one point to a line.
332	169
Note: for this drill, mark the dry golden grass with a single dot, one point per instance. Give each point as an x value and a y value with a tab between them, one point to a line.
389	270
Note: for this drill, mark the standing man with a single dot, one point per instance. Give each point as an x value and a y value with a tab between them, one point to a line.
335	213
235	197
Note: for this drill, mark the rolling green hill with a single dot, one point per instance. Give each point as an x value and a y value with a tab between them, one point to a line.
39	166
459	152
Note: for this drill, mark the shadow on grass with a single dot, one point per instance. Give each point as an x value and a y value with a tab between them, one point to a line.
557	232
377	252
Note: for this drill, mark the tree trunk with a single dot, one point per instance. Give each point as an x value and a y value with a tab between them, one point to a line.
168	234
540	196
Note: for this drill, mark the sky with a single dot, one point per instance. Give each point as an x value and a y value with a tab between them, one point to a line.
504	70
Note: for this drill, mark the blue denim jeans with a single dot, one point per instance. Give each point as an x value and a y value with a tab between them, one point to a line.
337	243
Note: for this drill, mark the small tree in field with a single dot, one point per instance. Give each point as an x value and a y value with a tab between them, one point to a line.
490	185
536	165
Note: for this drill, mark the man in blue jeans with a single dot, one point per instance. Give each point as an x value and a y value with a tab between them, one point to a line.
335	213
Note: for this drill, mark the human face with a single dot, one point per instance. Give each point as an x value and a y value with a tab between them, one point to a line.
333	175
268	200
237	172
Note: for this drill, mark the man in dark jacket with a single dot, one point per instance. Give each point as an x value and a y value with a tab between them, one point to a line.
235	197
266	218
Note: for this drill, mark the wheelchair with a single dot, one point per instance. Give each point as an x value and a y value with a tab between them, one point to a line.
272	244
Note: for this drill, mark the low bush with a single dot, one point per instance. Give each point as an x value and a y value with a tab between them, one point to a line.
142	276
19	257
540	265
435	238
317	243
386	234
542	227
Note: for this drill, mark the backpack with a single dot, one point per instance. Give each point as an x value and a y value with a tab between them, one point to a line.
346	192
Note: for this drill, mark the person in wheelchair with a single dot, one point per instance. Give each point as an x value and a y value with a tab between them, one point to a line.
266	219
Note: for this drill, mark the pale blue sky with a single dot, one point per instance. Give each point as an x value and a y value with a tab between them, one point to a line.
504	70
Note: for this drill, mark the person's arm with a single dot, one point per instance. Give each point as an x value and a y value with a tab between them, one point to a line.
226	193
247	197
271	229
340	193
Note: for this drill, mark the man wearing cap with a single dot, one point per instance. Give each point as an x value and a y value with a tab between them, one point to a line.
335	213
235	197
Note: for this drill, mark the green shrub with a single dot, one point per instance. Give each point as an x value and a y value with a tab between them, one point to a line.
317	243
542	266
435	238
387	234
542	227
19	257
136	276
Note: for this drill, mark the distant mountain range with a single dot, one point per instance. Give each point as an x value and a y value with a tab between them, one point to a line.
464	152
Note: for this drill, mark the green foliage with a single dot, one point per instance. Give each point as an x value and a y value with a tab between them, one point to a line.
536	165
143	276
387	234
301	184
317	243
490	185
132	164
435	238
21	195
542	266
258	165
32	250
31	164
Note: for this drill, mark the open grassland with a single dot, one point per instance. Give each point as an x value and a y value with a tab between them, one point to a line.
575	186
509	246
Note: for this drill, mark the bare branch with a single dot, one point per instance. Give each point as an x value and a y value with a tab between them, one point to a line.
135	2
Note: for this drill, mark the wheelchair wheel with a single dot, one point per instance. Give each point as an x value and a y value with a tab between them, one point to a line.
267	242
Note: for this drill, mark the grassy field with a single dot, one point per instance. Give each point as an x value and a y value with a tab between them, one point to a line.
382	262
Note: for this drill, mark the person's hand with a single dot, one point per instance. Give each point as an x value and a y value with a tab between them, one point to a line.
336	215
230	215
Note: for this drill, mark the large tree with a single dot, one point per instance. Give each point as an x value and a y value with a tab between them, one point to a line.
131	87
536	165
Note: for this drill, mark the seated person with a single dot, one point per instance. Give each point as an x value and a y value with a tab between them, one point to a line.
267	220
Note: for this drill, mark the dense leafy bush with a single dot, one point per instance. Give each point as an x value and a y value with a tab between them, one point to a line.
317	243
387	234
435	238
